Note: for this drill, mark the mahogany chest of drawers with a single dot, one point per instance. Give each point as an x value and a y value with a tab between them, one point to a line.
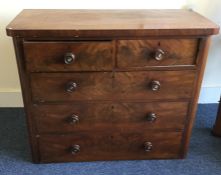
110	84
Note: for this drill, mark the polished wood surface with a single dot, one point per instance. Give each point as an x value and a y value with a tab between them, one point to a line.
138	85
101	116
110	145
24	79
49	56
110	84
201	64
99	56
142	53
90	86
106	23
217	127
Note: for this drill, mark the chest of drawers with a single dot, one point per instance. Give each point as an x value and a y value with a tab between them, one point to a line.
110	84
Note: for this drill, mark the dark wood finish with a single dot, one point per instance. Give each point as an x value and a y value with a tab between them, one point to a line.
217	127
109	23
89	86
201	64
101	116
110	84
157	52
117	145
33	135
50	56
140	85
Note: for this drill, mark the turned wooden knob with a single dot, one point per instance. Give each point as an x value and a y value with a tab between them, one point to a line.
148	146
159	54
151	117
69	58
73	119
74	149
71	86
155	85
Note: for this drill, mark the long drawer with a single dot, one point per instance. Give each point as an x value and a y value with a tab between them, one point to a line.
69	56
110	145
156	52
104	116
150	85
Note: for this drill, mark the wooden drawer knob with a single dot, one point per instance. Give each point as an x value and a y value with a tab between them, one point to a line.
71	86
74	149
155	85
69	58
151	117
159	54
148	146
73	119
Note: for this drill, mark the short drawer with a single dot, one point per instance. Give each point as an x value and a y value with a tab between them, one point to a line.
96	116
145	85
68	56
156	52
108	145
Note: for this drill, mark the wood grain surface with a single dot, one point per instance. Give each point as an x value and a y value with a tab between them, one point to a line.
90	86
49	56
142	53
114	145
51	87
136	85
107	23
101	116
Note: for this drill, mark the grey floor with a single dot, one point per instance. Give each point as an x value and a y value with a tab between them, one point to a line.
204	155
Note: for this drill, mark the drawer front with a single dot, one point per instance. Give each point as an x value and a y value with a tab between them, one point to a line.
108	145
162	52
71	86
154	85
85	116
151	85
68	56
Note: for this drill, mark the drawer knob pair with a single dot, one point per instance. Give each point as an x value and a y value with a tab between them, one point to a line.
159	54
72	86
74	149
148	146
69	58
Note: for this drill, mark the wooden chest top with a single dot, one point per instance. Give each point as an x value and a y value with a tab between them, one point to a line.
109	23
